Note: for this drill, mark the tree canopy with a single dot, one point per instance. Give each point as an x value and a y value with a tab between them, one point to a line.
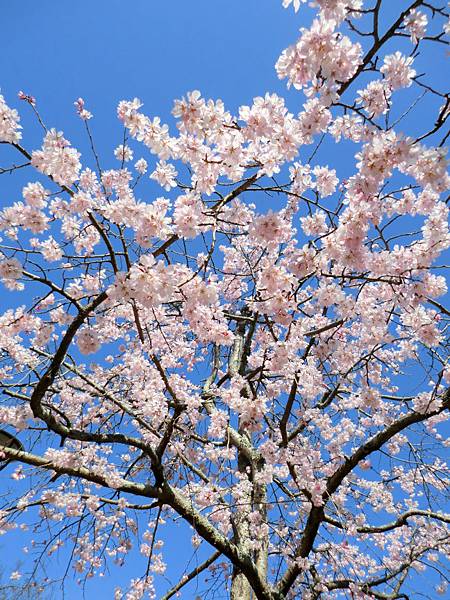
259	352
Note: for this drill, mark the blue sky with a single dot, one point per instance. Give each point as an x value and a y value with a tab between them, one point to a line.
108	50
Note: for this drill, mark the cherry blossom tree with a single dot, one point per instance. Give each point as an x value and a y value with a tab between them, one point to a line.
261	351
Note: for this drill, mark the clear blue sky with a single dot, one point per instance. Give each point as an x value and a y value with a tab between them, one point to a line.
157	50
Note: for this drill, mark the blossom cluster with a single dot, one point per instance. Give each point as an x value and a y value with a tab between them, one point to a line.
9	123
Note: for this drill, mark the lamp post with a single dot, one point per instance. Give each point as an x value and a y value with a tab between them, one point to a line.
8	441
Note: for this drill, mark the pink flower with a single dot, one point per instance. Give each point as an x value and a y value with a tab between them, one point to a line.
141	166
88	341
57	158
152	221
295	4
84	114
375	98
165	175
313	119
189	111
268	228
319	50
416	23
27	98
9	123
326	181
188	215
123	153
301	178
397	70
34	219
35	195
50	249
10	268
315	224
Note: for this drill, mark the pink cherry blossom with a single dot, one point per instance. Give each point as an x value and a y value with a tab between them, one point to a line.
141	166
88	341
326	180
35	195
10	268
9	123
82	112
165	175
296	4
123	153
416	23
375	98
397	70
57	158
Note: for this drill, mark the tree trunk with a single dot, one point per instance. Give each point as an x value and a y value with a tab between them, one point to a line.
240	586
255	499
